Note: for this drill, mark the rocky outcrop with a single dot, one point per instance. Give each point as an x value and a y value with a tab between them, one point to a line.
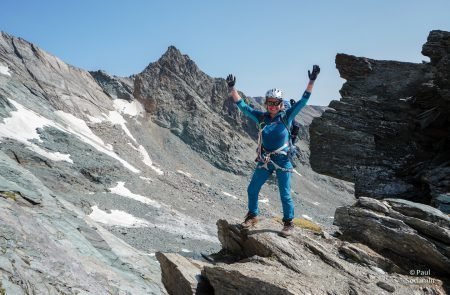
389	133
261	262
414	236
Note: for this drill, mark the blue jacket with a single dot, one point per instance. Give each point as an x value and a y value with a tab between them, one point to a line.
275	133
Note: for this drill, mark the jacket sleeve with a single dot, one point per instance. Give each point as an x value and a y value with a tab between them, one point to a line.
297	107
249	111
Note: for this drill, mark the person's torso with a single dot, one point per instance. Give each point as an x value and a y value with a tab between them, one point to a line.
274	134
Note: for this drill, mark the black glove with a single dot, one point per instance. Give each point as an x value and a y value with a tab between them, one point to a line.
316	70
231	80
292	101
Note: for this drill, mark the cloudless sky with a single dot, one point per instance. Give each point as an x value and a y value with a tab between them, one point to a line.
266	44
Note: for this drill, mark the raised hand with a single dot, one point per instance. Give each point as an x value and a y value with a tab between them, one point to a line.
315	71
231	80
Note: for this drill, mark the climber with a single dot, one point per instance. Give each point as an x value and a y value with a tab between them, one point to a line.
273	145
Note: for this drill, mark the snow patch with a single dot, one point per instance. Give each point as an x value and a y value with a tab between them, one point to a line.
133	108
4	70
185	250
95	119
316	203
147	161
307	217
121	190
264	201
22	125
230	195
117	218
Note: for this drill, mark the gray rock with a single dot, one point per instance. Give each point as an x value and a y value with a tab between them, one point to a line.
407	238
389	131
372	204
302	264
181	276
420	211
386	286
363	254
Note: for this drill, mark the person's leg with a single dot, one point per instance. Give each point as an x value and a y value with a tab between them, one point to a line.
284	186
258	179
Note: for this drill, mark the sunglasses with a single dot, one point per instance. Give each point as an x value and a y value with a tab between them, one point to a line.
273	103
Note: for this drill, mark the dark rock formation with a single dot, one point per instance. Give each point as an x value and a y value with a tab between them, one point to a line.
261	262
115	87
390	132
196	108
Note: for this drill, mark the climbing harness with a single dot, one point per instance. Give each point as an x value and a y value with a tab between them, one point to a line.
264	157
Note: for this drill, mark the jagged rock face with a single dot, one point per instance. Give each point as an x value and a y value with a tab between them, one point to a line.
389	133
197	108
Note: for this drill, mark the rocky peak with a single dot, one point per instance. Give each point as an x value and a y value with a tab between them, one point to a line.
173	60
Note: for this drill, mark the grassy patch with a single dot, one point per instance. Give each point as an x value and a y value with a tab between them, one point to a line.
2	290
9	195
303	223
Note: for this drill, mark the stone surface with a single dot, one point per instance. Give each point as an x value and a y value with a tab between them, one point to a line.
363	254
411	242
181	276
389	131
52	247
306	263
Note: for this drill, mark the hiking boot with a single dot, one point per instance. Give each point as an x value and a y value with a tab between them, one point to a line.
250	220
288	229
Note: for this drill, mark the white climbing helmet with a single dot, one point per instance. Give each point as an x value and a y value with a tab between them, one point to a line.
274	93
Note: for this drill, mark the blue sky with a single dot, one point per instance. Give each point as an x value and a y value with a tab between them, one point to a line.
266	44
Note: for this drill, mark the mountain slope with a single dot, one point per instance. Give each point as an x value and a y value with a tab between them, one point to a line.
117	168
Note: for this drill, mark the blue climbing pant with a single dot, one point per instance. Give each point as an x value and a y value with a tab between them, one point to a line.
259	177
